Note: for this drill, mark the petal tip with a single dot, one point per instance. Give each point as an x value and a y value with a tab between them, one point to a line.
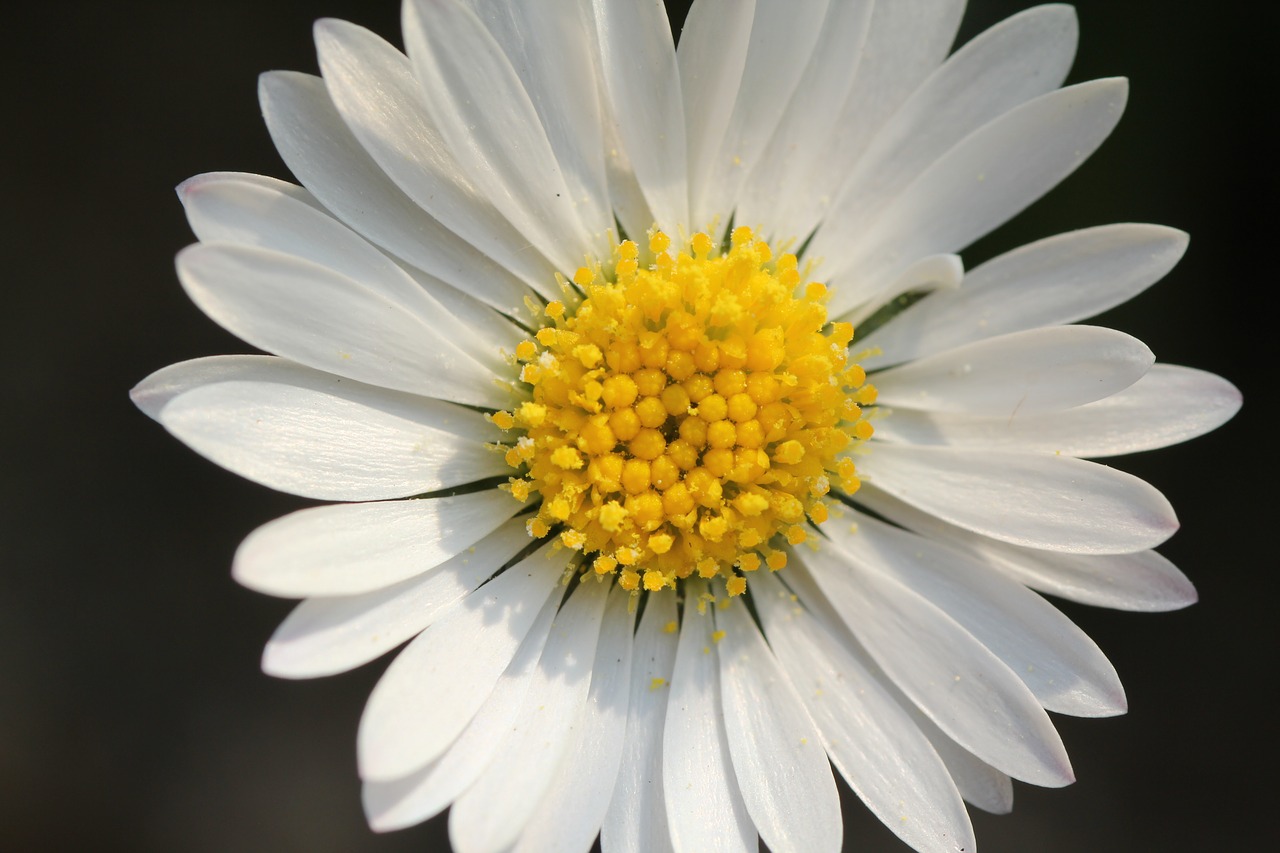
185	188
149	397
326	32
246	568
272	664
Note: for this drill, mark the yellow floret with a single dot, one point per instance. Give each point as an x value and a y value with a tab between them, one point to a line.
685	410
566	457
612	515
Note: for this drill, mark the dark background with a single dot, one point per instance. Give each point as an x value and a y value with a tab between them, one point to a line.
132	711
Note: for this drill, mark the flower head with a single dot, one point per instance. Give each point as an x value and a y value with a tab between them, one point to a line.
670	430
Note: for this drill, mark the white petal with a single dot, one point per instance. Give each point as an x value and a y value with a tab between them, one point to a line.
952	677
429	791
623	190
906	42
809	118
435	686
245	210
781	767
552	49
480	108
204	198
1058	662
569	816
374	89
553	713
1166	406
323	319
637	818
1169	405
979	783
324	636
259	211
327	158
1018	59
308	433
711	55
870	738
1039	500
783	36
704	806
629	204
225	207
1142	581
643	83
1039	370
932	272
983	181
347	549
493	336
1051	282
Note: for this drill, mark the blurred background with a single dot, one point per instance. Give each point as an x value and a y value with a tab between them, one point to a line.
133	715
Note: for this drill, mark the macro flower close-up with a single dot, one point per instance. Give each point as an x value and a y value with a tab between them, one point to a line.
664	432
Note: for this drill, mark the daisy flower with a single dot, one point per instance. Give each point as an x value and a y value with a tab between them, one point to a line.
667	427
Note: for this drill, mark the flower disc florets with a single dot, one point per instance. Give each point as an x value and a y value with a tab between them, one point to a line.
688	416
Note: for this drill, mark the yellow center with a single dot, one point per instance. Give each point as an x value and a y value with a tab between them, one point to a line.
687	417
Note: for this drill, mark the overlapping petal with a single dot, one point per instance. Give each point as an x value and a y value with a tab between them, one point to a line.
552	50
783	35
1153	412
328	159
777	754
1039	500
347	549
488	122
325	635
251	210
642	82
869	737
373	87
1141	580
956	680
551	717
1055	659
570	815
438	683
350	328
637	817
1041	370
1020	58
905	42
312	434
1053	281
695	748
427	792
984	180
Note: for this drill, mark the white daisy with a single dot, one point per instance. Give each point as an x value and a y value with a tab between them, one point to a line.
565	317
